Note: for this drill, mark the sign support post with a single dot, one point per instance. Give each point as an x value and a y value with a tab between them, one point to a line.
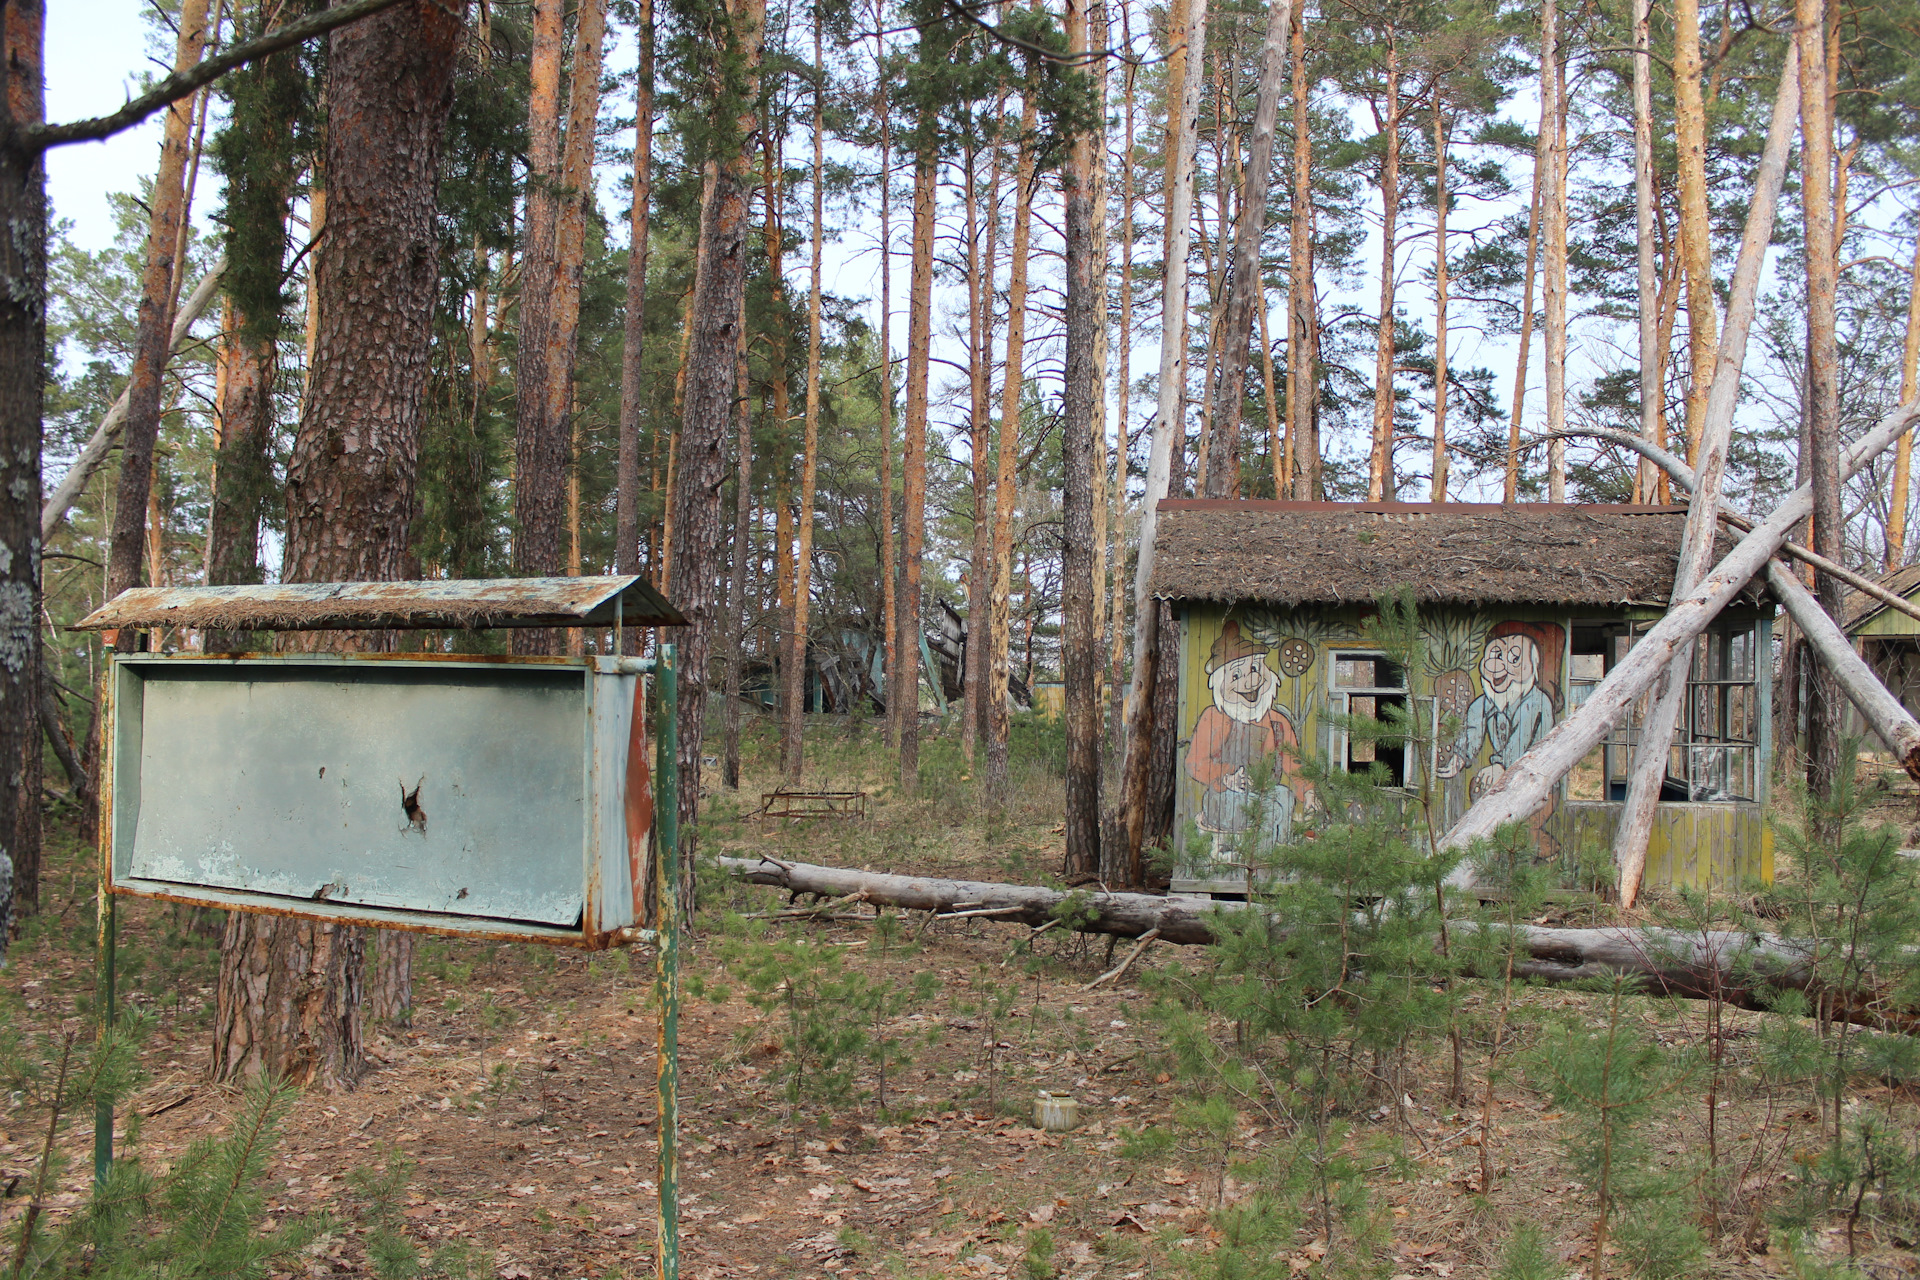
666	960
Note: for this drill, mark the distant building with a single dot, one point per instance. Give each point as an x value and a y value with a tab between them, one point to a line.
1523	610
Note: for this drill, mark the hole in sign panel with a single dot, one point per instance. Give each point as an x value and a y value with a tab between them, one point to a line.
410	805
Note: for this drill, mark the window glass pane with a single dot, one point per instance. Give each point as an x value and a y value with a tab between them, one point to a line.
1588	780
1353	673
1362	708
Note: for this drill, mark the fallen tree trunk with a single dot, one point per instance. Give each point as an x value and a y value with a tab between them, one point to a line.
1740	966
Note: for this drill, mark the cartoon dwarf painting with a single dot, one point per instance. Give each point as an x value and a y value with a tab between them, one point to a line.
1242	727
1519	698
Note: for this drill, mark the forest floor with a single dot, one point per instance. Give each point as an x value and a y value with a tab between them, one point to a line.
521	1097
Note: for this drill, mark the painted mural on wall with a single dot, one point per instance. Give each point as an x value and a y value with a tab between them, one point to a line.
1242	724
1518	702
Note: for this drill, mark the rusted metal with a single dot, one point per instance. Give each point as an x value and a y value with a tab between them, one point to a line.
623	599
849	806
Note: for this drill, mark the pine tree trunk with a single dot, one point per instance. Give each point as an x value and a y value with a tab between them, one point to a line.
1380	479
23	207
1006	478
1079	652
1439	483
914	472
1553	70
1541	150
795	738
980	264
1824	705
1696	249
889	624
1303	440
1903	453
736	639
1653	370
1118	639
1245	287
1187	33
633	347
289	990
540	444
153	323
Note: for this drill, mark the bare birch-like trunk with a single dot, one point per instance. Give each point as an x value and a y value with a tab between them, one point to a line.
1187	31
1380	481
795	735
1650	757
1245	288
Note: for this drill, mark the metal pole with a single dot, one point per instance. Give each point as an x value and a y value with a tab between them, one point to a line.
666	956
104	994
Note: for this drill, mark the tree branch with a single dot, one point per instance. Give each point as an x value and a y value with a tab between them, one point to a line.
44	137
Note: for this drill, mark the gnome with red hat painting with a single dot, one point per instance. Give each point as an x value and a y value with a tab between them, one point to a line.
1519	695
1243	726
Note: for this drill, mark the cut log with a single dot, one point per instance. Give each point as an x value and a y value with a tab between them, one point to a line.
1740	966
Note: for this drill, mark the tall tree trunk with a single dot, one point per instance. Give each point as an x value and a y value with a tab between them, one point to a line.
1246	288
1187	36
1439	484
1123	440
1303	440
1696	248
553	435
914	466
1079	644
633	346
1825	704
889	605
713	335
540	447
980	282
795	745
736	640
1650	757
1553	66
1380	480
1903	453
1542	148
1650	486
153	323
1006	478
23	301
289	990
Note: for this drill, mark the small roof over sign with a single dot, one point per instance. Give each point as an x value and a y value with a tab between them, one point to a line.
414	606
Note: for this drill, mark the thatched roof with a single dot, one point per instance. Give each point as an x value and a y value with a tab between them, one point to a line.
1335	552
1862	608
432	604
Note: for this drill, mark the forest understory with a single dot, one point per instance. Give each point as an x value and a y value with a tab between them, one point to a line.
508	1132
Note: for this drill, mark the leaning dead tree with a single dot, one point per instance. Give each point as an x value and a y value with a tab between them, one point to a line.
1740	967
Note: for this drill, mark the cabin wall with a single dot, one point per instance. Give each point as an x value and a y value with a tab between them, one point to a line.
1257	685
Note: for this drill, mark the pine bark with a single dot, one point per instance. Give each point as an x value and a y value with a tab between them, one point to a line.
1380	479
23	278
1822	383
1542	146
1245	287
795	730
979	362
633	345
905	695
1303	321
736	638
1006	477
1553	72
1079	658
1903	454
1652	353
1696	248
889	585
1187	40
153	322
1438	485
540	446
289	990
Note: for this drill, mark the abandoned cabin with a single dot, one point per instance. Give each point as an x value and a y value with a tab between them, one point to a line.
1522	611
1888	639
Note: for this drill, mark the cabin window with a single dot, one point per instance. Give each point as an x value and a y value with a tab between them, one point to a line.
1716	748
1366	686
